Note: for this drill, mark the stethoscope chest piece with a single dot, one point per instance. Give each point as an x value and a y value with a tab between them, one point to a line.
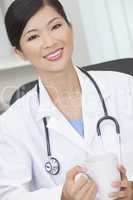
52	166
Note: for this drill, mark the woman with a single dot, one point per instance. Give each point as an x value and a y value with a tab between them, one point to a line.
40	32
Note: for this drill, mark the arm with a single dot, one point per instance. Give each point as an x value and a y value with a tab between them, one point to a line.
22	193
16	173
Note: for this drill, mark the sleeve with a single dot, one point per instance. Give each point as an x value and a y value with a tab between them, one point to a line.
129	149
16	173
22	193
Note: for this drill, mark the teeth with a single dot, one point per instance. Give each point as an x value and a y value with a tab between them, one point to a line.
54	54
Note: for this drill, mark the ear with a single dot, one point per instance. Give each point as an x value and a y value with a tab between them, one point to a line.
19	53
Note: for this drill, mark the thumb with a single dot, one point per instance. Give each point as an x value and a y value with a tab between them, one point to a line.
73	172
122	171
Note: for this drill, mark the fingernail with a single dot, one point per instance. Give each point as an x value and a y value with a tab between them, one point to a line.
116	184
84	168
111	195
97	188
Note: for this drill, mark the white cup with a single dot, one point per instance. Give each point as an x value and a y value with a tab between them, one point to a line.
103	170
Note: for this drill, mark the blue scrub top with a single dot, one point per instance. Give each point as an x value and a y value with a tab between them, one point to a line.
78	125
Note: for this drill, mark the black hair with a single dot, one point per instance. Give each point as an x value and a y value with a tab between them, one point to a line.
19	13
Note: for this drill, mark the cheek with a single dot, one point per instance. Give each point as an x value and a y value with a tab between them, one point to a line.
30	51
70	42
68	38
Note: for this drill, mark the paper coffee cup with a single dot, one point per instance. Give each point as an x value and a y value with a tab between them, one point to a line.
103	170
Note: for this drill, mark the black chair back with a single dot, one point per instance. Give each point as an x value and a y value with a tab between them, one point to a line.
122	65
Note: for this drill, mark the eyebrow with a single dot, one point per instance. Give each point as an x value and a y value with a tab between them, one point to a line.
33	30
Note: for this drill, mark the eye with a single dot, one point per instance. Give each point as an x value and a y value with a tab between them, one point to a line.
33	37
57	26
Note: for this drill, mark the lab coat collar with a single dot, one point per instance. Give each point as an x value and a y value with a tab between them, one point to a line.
46	106
89	95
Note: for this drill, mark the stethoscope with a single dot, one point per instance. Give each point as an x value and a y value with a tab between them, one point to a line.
52	165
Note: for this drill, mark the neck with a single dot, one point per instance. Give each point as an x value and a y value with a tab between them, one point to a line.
62	83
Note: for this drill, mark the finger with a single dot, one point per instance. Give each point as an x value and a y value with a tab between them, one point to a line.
122	171
82	180
91	193
123	194
81	174
116	184
117	195
124	184
73	172
83	190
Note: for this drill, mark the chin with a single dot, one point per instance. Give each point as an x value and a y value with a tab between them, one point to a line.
57	69
58	66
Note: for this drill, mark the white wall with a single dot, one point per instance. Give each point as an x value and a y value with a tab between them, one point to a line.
4	46
11	79
108	26
81	54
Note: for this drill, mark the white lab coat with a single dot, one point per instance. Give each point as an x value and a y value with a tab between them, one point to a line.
22	137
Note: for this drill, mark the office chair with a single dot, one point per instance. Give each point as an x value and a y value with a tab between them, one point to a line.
122	65
20	92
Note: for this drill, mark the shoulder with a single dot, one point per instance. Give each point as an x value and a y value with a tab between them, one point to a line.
112	82
113	79
19	112
111	75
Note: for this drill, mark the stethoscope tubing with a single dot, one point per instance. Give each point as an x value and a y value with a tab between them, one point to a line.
98	90
47	137
55	170
106	115
45	125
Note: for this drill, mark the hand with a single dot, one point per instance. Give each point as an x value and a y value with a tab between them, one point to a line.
125	186
81	189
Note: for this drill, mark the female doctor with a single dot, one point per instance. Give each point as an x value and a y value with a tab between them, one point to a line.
55	123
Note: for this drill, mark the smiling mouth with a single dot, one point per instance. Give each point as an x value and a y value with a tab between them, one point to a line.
54	56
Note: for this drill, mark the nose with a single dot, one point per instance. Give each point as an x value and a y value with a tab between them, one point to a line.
48	40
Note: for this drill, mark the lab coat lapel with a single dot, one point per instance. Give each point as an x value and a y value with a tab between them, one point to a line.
89	108
56	120
62	126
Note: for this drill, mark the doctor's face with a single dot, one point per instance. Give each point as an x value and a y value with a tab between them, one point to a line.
47	41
